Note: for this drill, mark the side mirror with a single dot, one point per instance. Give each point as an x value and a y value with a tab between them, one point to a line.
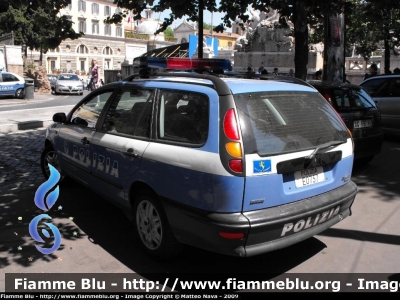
60	118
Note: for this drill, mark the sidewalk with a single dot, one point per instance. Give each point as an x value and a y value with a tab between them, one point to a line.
14	120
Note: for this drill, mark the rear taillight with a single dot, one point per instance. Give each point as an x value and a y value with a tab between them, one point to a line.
233	147
328	98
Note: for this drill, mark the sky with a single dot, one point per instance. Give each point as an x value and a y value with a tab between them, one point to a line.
216	17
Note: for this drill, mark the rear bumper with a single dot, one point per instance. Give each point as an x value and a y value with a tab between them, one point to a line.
265	230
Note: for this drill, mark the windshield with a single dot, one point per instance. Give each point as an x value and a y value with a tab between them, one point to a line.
68	77
283	122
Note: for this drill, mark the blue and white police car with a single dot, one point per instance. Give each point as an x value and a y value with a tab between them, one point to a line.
12	84
231	165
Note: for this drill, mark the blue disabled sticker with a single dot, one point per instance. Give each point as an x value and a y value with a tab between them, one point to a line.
261	166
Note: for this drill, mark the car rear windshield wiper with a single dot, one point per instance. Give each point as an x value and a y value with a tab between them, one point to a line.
324	146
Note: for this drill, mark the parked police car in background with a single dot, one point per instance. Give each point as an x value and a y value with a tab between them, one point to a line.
12	84
235	166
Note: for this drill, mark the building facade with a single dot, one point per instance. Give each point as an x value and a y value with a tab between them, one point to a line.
107	43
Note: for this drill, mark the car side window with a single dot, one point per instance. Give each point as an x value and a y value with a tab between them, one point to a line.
183	117
9	78
130	113
373	86
87	114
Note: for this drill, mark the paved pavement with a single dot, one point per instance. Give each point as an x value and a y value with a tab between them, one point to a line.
15	120
22	134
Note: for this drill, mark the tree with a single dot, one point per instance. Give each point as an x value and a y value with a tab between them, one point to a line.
303	13
37	25
169	32
374	21
206	26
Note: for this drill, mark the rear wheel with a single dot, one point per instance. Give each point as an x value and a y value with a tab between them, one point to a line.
364	160
152	229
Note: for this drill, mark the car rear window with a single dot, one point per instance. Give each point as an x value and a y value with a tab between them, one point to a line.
274	123
351	99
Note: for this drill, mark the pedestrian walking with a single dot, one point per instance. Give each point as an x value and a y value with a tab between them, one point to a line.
119	76
291	73
373	71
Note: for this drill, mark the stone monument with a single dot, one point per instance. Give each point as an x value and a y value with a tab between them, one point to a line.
268	41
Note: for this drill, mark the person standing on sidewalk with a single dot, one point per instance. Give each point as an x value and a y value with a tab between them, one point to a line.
94	80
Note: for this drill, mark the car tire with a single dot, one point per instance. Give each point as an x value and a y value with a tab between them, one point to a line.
20	94
152	229
49	156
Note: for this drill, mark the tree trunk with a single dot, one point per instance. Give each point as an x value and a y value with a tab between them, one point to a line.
41	57
387	54
300	39
334	48
200	31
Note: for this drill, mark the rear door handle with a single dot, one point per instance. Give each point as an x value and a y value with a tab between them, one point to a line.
130	152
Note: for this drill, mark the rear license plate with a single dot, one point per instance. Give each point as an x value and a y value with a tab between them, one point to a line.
363	123
309	176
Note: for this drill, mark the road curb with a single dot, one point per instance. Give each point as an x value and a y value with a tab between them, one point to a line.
8	128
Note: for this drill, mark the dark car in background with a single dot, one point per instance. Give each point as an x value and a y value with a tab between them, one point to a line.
52	79
359	113
385	91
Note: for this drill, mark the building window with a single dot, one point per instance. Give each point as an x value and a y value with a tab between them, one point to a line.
95	8
118	31
52	64
107	29
118	10
68	66
82	25
107	10
82	49
183	40
107	64
107	51
81	5
95	27
237	30
69	6
229	44
82	63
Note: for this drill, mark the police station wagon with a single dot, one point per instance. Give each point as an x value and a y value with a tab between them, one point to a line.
234	166
12	84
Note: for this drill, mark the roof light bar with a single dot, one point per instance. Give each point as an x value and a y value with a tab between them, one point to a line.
184	63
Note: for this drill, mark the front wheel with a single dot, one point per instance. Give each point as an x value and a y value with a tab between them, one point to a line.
152	228
20	94
49	156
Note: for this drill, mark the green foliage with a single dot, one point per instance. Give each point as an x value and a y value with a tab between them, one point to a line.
37	24
169	32
372	22
206	26
136	36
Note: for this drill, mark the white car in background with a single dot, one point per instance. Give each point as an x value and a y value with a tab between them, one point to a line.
68	83
12	84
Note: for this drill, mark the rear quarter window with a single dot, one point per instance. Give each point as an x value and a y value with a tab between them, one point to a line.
283	122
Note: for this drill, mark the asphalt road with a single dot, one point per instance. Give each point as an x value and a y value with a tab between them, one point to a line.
97	237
